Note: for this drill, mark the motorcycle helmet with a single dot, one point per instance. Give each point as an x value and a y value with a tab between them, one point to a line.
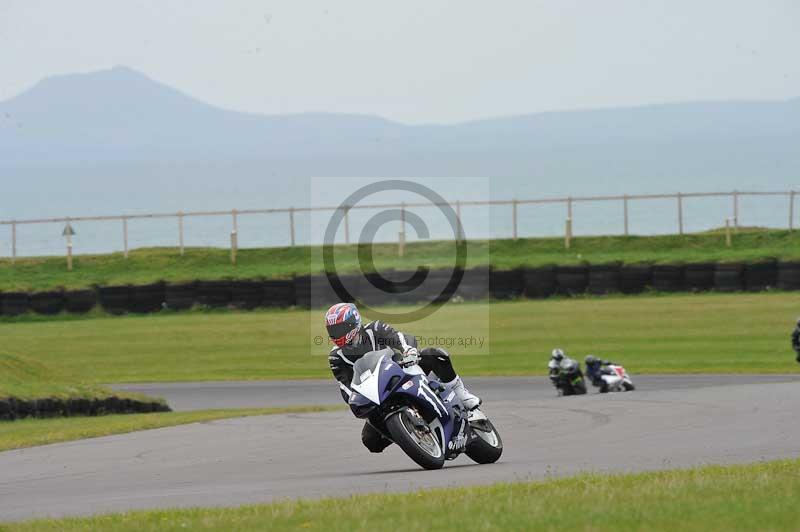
557	354
343	322
591	360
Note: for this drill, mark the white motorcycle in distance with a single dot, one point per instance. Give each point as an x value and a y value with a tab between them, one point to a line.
614	378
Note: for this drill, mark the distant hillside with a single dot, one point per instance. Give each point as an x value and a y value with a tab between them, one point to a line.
119	115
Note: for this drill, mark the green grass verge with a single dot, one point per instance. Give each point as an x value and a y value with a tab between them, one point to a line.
154	264
709	333
749	497
31	432
27	378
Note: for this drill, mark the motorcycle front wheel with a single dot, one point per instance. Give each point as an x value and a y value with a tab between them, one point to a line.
488	446
411	433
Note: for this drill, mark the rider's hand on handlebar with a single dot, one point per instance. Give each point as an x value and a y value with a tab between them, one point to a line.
410	357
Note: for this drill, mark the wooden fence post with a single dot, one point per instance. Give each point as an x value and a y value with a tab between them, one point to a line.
568	234
514	218
69	252
625	209
460	233
125	236
180	231
401	238
791	210
680	213
13	242
291	225
234	246
728	232
346	224
736	210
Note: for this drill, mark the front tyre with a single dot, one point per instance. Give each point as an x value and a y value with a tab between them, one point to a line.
412	435
488	446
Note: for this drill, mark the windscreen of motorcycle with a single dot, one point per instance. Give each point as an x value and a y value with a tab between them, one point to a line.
367	366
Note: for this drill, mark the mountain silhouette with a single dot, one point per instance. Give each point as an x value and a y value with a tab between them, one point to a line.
120	116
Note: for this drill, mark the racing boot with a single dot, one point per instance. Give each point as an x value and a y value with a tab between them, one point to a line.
471	401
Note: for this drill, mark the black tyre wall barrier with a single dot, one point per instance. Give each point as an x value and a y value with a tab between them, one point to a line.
789	275
279	293
635	278
438	287
759	276
571	280
114	299
728	277
372	288
247	294
539	282
302	291
12	408
604	279
79	301
315	291
668	278
475	284
699	277
47	302
146	298
506	284
214	293
181	296
14	303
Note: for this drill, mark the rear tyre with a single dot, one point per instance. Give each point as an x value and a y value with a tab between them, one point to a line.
419	444
488	446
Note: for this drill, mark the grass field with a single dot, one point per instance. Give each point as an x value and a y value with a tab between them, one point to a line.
31	432
27	378
750	497
710	333
149	265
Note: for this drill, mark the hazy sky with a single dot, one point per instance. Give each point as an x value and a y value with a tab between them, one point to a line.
416	61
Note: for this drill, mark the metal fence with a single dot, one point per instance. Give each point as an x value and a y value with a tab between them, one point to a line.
512	213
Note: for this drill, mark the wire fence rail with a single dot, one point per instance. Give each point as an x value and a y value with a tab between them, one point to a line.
459	205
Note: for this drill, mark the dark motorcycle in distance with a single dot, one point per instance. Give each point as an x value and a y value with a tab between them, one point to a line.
427	421
567	377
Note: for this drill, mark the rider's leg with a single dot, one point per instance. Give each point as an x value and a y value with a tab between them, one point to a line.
438	361
373	439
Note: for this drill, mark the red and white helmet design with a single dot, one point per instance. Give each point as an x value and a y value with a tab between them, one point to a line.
343	322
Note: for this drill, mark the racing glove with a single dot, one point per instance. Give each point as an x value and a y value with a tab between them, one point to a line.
410	357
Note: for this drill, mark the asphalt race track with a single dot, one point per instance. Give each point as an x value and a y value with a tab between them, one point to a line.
668	422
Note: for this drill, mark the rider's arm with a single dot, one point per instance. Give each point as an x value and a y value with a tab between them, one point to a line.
342	372
387	336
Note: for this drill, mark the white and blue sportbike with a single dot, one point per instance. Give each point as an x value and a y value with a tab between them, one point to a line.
426	420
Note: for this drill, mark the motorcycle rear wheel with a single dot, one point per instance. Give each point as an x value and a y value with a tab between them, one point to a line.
422	447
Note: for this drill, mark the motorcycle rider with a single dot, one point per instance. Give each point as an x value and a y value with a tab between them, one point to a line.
596	368
553	367
796	339
565	374
353	340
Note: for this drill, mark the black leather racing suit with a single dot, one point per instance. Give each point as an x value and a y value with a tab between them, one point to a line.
373	337
796	341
